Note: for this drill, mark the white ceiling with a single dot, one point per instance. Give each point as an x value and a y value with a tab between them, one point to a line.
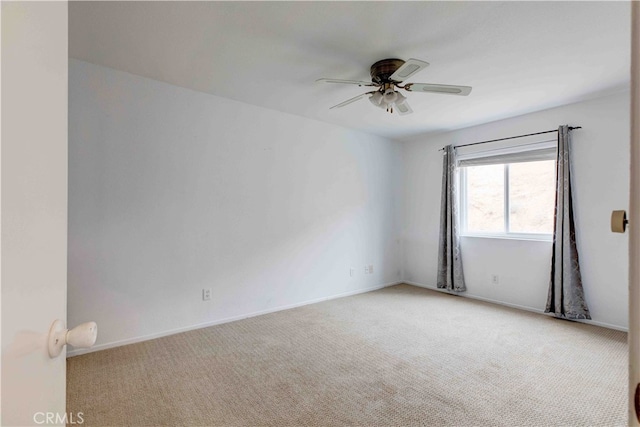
518	56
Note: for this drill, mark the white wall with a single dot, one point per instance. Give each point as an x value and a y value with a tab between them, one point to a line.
172	191
34	208
601	184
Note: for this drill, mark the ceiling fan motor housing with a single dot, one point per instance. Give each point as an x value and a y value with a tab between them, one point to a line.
382	70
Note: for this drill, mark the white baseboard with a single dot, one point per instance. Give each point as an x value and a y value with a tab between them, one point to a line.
507	304
79	351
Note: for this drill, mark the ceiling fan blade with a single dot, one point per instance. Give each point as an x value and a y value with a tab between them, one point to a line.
354	99
435	88
349	82
408	69
403	108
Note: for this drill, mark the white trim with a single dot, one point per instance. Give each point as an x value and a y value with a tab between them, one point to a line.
634	218
507	199
511	236
501	151
113	344
507	304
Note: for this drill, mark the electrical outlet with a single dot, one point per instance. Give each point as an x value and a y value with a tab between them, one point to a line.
495	279
352	272
370	268
366	269
206	294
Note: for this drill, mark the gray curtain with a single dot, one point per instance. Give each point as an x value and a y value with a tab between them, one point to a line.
566	295
450	275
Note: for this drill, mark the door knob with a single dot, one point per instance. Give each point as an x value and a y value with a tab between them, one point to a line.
83	335
619	221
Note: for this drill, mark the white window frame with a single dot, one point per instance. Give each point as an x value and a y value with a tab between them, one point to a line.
521	151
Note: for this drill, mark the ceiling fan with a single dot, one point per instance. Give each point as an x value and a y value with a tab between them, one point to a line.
386	76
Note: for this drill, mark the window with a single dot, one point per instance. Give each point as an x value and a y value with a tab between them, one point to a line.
508	192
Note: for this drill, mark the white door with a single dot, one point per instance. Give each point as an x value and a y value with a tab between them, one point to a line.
33	197
634	220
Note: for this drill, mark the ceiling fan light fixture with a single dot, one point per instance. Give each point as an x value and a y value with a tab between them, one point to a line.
376	99
390	96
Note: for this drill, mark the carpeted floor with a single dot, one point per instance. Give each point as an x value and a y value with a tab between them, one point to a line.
400	356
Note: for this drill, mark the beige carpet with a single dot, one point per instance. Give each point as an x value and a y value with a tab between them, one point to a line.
401	356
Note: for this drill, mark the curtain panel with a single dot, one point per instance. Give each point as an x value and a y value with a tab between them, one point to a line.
450	273
566	294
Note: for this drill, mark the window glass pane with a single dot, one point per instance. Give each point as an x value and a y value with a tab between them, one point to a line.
532	197
485	198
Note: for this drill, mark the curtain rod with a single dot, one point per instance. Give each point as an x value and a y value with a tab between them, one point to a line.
512	137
